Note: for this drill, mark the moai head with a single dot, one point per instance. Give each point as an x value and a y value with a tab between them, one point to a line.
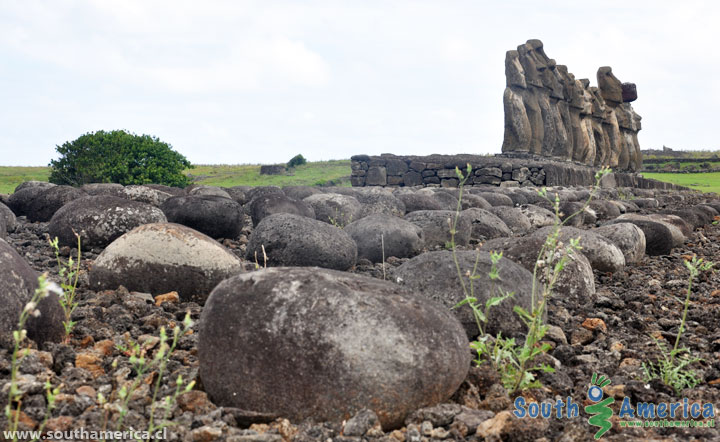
598	103
583	86
527	60
556	86
538	53
514	72
610	87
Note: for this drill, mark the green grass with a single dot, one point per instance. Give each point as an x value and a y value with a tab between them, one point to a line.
10	177
335	172
704	182
310	174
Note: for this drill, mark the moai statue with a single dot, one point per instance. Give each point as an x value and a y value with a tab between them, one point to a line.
550	113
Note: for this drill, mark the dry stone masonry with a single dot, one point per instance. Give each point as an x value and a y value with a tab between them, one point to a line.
549	112
503	170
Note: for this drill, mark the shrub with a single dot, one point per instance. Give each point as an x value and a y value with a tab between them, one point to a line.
118	157
297	160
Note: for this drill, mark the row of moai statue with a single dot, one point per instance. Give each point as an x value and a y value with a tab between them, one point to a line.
550	113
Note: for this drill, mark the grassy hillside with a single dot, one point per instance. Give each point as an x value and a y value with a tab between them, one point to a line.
336	172
10	177
705	182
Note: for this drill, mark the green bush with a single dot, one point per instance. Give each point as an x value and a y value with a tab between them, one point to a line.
118	157
297	160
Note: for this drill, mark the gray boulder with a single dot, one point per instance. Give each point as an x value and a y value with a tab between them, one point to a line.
17	286
401	239
495	199
470	201
333	343
100	220
44	205
513	217
646	203
215	216
485	225
271	203
145	194
572	213
3	228
538	216
628	237
300	192
604	209
446	199
380	201
415	201
9	217
436	226
331	207
575	282
160	258
434	275
293	240
658	235
239	194
174	191
209	191
94	189
603	255
33	184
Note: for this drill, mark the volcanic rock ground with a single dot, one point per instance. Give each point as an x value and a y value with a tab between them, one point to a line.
643	301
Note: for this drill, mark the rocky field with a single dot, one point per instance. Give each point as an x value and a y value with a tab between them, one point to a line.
349	333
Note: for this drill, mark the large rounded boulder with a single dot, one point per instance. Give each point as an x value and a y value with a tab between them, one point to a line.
209	191
434	275
164	257
658	234
8	216
628	237
314	343
576	282
94	189
380	235
379	201
336	209
603	255
486	225
293	240
100	220
17	286
46	203
513	217
436	225
215	216
270	203
145	194
538	216
415	201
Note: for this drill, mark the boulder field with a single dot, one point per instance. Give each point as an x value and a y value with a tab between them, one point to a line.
325	312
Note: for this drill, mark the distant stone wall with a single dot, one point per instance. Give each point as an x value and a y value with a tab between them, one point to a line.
502	170
550	113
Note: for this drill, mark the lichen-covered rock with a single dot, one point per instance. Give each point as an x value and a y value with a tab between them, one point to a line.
335	209
433	274
293	240
380	235
160	258
209	191
145	194
602	253
8	216
436	225
333	343
216	216
17	286
100	220
538	216
628	237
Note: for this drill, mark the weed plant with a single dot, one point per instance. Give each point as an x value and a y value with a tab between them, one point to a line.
673	366
69	273
516	362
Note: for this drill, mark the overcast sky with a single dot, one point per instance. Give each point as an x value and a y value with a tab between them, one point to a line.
260	81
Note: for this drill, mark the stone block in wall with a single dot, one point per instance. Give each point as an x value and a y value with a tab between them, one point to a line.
394	180
377	162
429	172
358	173
489	171
412	178
510	183
360	158
396	167
521	174
487	179
507	176
357	181
446	173
506	167
431	180
417	166
449	182
376	176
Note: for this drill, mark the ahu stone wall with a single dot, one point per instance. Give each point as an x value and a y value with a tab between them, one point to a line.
389	170
550	113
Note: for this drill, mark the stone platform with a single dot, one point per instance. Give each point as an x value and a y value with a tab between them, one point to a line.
505	170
